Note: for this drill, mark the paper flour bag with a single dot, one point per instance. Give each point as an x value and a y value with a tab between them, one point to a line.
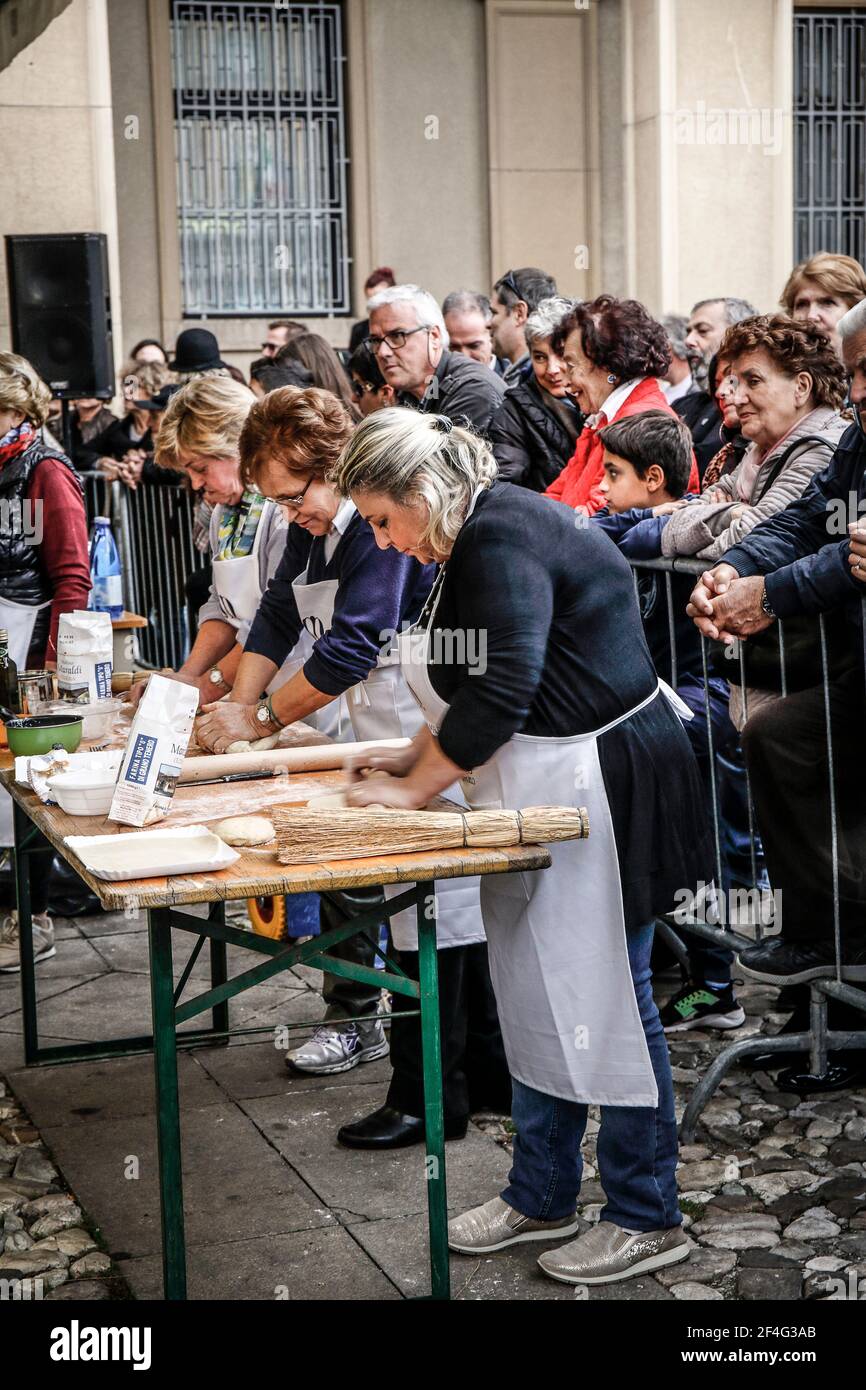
157	746
84	652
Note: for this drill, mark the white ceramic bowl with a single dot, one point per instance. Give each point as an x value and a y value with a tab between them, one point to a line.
84	793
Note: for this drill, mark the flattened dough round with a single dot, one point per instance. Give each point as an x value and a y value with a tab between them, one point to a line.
245	830
328	801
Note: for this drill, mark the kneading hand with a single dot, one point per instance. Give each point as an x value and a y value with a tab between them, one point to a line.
223	723
397	761
395	792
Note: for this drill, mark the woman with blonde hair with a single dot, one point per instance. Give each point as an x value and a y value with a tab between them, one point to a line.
822	289
566	708
354	597
199	437
44	571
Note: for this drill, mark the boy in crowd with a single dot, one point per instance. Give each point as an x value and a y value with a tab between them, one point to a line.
647	460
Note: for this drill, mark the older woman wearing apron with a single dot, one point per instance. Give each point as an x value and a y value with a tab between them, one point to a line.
561	706
351	599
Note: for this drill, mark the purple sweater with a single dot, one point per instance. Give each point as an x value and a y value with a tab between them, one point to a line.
379	591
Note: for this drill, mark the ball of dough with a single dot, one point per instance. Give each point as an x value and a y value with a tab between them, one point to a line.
245	830
256	745
328	801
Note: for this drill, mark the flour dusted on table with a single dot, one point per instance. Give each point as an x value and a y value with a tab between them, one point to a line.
157	746
84	656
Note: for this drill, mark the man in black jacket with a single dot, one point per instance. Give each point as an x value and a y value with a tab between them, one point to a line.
410	342
813	555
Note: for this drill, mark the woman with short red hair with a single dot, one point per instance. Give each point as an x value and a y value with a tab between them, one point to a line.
614	354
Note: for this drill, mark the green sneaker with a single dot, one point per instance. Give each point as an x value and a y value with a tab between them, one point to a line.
698	1006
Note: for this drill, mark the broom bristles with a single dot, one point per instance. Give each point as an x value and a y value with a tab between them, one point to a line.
306	836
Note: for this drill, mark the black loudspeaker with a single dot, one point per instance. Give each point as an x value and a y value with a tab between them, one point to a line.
61	310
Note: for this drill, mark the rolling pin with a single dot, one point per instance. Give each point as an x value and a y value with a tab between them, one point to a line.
317	758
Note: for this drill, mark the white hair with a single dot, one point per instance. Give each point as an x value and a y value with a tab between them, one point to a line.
420	461
427	310
853	322
544	321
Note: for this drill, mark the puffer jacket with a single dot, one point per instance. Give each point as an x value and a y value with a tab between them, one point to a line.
530	443
707	529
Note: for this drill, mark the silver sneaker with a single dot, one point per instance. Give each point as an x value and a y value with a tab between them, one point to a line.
10	937
338	1047
608	1253
495	1225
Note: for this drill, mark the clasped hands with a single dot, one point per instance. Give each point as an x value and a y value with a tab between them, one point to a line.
725	607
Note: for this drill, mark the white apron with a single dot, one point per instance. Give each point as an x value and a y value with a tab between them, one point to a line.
239	592
19	620
382	706
556	938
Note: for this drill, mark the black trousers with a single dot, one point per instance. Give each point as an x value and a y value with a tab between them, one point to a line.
346	998
474	1070
785	746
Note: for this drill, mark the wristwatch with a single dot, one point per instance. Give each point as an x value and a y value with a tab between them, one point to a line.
216	677
766	607
265	715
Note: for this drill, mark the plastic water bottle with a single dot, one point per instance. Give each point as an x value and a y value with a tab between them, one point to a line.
106	595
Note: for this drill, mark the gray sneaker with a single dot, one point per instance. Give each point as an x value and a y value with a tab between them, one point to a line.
608	1253
495	1225
10	937
338	1047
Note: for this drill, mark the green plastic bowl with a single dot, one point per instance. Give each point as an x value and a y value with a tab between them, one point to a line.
29	737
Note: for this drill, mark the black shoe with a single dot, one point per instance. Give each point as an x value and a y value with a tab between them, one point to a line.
796	962
388	1128
698	1006
68	894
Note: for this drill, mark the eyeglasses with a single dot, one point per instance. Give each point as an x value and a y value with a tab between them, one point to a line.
397	339
511	284
294	502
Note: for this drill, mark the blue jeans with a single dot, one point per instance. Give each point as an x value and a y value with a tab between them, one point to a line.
637	1145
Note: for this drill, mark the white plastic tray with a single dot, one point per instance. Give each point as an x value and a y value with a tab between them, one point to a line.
188	849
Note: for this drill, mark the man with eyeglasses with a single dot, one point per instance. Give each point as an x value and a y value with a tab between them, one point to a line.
516	295
410	342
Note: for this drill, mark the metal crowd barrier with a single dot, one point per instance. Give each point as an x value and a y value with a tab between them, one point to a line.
153	528
818	1040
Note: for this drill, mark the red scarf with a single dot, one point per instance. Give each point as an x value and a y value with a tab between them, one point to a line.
15	442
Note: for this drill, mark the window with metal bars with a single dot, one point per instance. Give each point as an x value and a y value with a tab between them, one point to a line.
260	144
830	131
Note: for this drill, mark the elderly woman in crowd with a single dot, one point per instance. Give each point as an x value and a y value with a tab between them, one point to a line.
734	443
534	432
44	571
567	710
822	290
614	354
336	583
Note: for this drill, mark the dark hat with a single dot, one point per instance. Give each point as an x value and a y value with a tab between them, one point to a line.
196	350
160	400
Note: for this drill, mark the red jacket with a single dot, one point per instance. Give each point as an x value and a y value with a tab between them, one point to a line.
578	483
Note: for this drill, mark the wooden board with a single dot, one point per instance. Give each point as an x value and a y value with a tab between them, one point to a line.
256	874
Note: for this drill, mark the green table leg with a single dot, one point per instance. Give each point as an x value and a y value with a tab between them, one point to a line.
434	1122
218	969
23	826
167	1111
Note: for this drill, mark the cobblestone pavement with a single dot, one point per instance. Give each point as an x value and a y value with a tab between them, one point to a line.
773	1188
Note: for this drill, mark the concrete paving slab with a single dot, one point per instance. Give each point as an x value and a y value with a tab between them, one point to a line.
319	1264
362	1184
400	1248
74	956
46	988
244	1071
234	1184
109	1090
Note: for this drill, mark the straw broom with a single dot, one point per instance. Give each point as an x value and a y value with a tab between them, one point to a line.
308	836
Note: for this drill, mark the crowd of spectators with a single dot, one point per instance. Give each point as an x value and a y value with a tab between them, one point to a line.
727	436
